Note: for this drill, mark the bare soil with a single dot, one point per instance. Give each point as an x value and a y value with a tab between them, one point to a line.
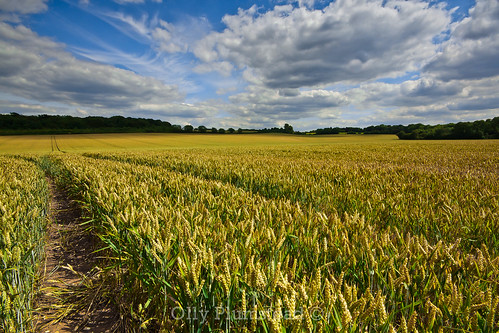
70	298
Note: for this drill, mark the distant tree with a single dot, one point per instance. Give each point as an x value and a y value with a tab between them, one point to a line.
202	129
239	131
466	131
214	130
188	129
221	131
231	130
288	129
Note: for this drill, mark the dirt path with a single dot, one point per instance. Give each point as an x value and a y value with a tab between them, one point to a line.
70	298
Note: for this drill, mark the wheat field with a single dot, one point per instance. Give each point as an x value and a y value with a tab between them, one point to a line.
299	234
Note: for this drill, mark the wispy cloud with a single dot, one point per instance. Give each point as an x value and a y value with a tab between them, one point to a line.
44	72
160	35
128	25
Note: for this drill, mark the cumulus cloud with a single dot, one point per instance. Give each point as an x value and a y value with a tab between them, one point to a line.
163	35
473	49
38	69
188	111
288	103
421	91
348	41
294	58
425	100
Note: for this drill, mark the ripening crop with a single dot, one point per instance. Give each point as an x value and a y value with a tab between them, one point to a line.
23	210
359	237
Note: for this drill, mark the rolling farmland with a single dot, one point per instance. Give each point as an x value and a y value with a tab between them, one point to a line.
270	233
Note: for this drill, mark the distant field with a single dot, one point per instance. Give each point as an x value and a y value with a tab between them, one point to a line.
149	141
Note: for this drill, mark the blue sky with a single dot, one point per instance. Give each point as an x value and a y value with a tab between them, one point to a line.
252	63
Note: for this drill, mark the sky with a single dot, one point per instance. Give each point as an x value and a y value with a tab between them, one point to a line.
252	64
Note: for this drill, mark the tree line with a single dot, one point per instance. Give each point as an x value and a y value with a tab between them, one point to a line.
480	129
15	123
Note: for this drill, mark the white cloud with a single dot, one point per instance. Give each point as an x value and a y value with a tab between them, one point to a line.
136	29
419	92
23	6
348	41
181	110
425	100
473	49
40	70
285	50
163	35
287	104
160	35
27	108
223	67
306	3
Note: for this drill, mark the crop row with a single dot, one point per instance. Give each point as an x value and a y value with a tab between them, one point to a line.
23	217
443	191
216	246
